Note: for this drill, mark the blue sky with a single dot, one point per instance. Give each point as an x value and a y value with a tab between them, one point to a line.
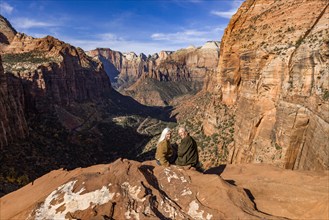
146	26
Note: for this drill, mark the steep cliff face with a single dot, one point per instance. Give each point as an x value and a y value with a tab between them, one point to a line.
122	68
54	72
7	32
189	64
274	70
12	119
112	61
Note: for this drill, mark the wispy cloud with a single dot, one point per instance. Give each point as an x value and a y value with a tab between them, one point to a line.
120	45
224	14
187	35
195	1
109	37
26	23
229	13
5	8
191	36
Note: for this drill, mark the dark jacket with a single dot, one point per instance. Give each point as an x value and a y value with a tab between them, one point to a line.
187	152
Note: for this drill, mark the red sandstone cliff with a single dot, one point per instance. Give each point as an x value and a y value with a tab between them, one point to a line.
144	78
274	71
54	72
7	32
123	68
12	119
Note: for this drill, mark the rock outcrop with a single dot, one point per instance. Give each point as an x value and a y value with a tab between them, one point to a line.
274	71
7	32
131	190
281	192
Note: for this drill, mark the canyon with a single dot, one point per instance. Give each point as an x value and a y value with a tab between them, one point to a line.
257	104
57	104
159	78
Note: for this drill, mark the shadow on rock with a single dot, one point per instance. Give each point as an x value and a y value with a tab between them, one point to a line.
147	171
216	170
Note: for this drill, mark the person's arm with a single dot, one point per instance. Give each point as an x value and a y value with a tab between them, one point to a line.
162	154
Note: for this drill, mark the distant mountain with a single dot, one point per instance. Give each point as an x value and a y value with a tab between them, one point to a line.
158	79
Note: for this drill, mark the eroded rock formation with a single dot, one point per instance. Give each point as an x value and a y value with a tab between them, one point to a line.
54	72
274	71
145	78
131	190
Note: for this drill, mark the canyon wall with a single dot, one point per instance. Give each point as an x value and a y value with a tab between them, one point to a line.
54	72
12	119
13	124
183	64
273	71
144	78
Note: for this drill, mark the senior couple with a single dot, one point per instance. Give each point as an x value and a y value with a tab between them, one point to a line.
187	152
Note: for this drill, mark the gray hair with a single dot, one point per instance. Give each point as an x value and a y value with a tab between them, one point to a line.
182	128
163	134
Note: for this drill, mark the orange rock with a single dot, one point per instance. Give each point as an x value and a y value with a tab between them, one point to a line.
273	69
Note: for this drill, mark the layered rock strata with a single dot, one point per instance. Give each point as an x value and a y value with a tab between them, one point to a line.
144	78
130	190
54	72
274	70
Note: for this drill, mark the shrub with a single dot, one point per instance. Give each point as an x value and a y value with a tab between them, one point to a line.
299	41
32	57
325	95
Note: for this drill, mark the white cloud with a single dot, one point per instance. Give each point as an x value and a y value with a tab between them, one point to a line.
124	45
191	36
109	37
5	8
224	14
228	14
195	1
119	45
26	23
184	36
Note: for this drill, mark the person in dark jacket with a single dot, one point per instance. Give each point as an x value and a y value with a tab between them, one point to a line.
187	153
